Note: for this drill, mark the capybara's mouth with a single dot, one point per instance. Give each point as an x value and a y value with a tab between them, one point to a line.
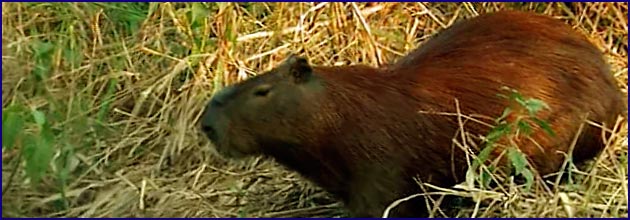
223	149
232	154
227	151
210	133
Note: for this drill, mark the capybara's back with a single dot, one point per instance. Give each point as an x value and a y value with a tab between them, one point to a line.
363	133
538	56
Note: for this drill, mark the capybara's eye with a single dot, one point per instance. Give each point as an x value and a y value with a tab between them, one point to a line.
262	91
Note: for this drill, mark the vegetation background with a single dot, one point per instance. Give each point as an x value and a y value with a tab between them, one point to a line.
100	103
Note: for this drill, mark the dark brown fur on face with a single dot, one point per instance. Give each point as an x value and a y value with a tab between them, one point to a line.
357	131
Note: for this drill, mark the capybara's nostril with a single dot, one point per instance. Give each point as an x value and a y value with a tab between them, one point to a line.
216	102
206	128
209	131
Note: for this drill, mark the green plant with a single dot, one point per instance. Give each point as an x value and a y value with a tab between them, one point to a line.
72	102
524	114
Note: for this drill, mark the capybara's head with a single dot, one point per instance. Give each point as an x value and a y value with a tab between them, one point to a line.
244	118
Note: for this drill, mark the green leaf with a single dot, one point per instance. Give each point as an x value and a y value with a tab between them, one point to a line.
545	126
524	127
12	126
107	100
497	132
41	71
519	99
483	155
29	149
73	56
504	115
64	162
520	166
39	117
486	176
533	105
529	179
242	213
199	13
38	153
43	52
518	159
43	49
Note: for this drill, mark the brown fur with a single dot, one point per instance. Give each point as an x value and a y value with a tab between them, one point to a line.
356	130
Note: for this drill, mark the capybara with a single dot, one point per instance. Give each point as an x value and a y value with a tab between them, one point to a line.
363	133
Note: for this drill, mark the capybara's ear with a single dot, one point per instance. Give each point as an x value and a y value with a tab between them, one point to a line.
298	68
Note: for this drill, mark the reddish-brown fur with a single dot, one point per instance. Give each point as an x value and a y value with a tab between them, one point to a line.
356	130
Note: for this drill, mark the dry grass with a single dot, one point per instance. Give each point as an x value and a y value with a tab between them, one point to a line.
123	86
